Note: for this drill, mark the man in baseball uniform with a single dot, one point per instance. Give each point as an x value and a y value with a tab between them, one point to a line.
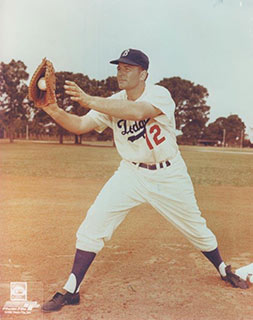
153	171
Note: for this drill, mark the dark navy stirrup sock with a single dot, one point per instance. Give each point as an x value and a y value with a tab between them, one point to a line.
214	257
82	261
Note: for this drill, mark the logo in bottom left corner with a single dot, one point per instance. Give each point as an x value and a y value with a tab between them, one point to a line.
18	303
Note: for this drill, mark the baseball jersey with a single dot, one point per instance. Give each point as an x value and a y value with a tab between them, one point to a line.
149	140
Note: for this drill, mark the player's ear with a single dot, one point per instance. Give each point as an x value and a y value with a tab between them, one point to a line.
143	75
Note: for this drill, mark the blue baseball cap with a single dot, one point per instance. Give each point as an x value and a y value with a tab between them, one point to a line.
133	57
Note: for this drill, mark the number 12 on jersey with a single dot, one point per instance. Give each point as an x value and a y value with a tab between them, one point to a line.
157	139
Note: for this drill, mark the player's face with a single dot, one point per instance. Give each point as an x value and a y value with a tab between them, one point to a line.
128	76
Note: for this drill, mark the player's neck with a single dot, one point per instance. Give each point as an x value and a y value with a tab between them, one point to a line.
135	93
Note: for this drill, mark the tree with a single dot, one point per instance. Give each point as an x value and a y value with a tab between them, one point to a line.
215	130
235	128
111	86
13	91
191	111
231	129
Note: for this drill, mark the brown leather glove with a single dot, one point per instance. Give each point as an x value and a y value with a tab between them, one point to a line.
43	98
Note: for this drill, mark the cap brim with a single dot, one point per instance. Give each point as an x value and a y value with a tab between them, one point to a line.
124	60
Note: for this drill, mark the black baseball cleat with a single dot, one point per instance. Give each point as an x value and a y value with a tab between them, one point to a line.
59	300
234	279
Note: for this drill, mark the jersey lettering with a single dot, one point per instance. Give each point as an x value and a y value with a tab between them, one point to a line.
138	126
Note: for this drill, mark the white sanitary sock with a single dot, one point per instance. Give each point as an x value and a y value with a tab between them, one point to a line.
222	270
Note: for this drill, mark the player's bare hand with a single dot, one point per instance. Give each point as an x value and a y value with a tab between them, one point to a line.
76	93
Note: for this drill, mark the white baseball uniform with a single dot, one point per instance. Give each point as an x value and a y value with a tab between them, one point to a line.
167	187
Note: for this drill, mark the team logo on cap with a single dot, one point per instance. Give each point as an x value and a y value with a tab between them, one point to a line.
125	53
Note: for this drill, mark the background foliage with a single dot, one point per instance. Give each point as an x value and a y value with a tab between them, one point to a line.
18	114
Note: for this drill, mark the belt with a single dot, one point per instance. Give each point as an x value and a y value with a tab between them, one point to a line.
154	166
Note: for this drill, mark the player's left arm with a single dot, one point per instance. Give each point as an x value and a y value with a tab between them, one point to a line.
123	109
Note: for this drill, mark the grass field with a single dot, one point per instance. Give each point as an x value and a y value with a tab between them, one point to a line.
148	270
207	166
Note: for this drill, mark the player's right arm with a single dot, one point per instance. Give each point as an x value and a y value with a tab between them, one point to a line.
73	123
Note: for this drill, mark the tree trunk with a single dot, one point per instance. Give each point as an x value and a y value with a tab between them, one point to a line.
11	134
78	139
61	138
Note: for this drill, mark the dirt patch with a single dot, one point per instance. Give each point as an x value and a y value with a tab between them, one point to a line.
147	271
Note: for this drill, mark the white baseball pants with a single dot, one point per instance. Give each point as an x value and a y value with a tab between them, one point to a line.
169	190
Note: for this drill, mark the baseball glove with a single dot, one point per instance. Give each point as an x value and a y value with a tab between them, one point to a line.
42	98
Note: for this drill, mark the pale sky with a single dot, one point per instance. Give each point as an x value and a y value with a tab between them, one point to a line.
209	42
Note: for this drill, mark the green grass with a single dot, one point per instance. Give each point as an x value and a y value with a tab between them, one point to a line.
54	160
215	167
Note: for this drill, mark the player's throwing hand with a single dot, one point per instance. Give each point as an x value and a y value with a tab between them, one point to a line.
76	93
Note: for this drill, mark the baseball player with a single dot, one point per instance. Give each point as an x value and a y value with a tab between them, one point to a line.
142	119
